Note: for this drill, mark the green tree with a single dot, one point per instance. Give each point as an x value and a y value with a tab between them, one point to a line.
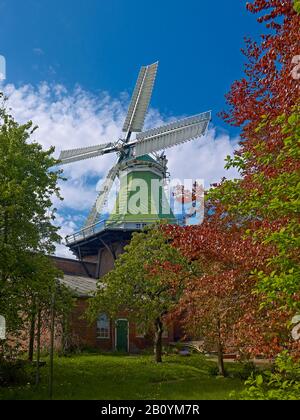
297	6
27	232
282	383
146	284
34	296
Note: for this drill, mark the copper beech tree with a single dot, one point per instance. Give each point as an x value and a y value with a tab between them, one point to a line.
266	105
218	304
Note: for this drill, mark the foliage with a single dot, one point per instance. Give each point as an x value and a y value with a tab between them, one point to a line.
146	283
26	189
247	369
265	104
297	6
283	383
15	373
218	304
214	371
283	228
271	214
27	233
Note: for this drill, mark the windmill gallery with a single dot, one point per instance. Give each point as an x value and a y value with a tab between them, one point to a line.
140	161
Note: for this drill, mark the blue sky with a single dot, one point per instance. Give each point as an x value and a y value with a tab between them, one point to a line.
72	66
100	44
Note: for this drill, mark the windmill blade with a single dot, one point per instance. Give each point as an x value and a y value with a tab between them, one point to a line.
76	155
102	197
140	100
172	134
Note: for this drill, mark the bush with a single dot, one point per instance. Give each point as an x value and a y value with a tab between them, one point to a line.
281	383
247	370
15	373
214	371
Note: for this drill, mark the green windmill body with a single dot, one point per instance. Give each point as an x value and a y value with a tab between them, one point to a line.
141	198
140	168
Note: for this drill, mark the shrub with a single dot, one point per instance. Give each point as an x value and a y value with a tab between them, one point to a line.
247	370
15	372
281	383
214	371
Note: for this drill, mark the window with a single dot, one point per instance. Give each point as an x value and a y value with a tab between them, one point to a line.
103	326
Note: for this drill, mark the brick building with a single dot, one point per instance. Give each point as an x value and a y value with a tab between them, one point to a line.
104	334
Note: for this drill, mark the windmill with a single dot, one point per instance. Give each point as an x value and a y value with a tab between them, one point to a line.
135	152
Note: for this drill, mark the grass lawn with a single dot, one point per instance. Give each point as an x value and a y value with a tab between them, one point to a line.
115	377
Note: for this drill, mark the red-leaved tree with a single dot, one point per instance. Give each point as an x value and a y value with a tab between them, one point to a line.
266	105
218	304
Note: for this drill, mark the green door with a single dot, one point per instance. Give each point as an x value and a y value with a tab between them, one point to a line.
122	335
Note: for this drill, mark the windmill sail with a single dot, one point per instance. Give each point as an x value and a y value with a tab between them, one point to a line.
140	100
76	155
102	197
172	134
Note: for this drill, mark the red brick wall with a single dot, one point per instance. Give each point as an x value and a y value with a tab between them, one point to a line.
85	334
75	267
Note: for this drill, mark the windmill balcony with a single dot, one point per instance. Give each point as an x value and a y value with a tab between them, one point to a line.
104	225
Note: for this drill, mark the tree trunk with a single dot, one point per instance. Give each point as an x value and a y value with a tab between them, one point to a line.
31	337
65	335
52	333
158	340
220	352
4	275
38	345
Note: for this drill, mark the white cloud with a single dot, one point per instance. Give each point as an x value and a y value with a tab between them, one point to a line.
77	119
67	227
203	158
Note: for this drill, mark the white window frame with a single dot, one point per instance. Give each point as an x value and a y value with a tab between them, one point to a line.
107	335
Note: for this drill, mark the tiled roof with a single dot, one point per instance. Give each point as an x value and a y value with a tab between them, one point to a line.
80	286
